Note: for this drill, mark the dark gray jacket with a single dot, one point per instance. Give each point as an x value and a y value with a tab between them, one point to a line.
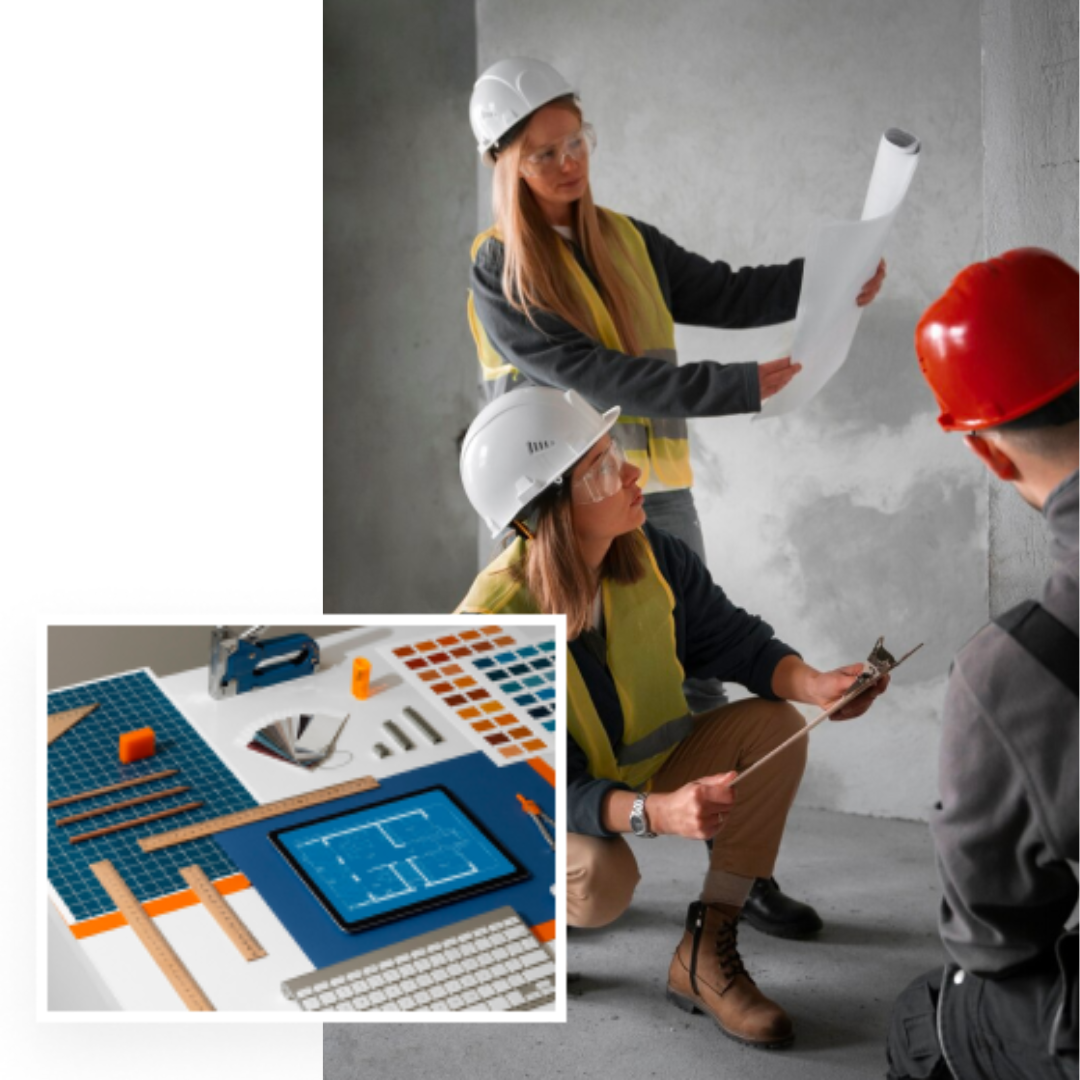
697	293
1006	833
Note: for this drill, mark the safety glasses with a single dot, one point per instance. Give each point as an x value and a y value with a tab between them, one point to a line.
602	479
547	161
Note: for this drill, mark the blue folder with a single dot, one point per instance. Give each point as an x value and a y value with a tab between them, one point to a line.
489	792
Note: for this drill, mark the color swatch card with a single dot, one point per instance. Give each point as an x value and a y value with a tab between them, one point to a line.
307	739
442	670
524	676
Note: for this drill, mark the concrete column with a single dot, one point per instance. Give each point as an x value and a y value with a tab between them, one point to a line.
1029	97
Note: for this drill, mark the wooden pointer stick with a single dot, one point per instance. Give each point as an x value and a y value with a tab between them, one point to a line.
112	787
133	822
123	805
836	706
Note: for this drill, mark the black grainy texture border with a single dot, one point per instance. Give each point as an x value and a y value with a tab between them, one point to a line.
85	1051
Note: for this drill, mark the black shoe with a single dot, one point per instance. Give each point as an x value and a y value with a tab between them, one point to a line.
767	909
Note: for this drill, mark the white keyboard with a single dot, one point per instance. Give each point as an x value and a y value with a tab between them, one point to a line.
489	963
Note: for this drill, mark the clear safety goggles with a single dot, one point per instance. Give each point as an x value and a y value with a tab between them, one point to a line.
603	478
548	160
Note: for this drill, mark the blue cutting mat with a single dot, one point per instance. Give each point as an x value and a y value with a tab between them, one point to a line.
86	757
488	791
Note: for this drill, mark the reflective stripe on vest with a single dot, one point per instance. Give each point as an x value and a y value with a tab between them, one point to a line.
658	447
641	659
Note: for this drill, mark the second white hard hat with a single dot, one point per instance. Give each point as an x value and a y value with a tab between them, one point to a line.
521	444
506	94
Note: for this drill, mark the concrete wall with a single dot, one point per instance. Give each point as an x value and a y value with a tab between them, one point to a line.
399	366
1029	198
734	126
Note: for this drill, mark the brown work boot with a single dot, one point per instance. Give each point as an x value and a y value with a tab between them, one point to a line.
707	975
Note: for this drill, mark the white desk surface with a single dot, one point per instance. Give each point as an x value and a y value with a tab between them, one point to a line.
121	969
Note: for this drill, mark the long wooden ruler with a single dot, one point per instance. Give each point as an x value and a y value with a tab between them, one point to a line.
111	787
256	813
161	952
234	927
63	721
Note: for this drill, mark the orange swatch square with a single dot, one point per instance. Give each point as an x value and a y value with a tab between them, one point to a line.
483	725
504	720
509	751
468	714
519	733
463	682
535	744
492	706
489	630
425	646
452	669
469	635
427	676
448	640
504	641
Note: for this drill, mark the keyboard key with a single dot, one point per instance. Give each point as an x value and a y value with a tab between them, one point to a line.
540	971
312	1003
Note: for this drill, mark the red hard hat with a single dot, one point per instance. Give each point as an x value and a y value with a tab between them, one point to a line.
1002	340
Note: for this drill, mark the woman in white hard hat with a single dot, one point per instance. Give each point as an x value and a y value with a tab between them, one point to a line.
570	295
641	611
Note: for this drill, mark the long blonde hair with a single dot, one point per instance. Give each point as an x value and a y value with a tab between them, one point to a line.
554	570
534	276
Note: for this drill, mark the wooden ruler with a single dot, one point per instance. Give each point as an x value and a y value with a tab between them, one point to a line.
223	913
121	825
161	952
123	804
256	813
63	721
111	787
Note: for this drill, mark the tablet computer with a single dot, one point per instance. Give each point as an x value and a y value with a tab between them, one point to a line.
392	859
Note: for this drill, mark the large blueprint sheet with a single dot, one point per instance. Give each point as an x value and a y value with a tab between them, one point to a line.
841	257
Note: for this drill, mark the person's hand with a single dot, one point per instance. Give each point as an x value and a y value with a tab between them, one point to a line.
774	375
829	686
872	287
696	810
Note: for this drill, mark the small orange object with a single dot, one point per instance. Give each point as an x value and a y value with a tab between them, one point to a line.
136	745
361	678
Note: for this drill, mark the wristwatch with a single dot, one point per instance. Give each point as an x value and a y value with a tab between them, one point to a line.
639	823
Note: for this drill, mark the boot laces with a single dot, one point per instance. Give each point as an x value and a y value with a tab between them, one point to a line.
727	951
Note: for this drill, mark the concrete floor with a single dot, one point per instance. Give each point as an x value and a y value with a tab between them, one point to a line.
874	884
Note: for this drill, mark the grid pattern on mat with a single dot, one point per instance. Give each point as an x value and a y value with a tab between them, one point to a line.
441	667
85	758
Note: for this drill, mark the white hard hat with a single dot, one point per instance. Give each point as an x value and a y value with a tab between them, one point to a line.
522	443
506	94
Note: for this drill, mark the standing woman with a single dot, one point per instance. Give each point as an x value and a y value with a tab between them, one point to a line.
641	610
567	294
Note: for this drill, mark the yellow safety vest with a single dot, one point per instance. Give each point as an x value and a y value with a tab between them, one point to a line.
658	447
641	658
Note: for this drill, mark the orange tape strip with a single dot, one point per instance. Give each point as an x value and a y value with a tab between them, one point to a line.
544	769
162	906
545	931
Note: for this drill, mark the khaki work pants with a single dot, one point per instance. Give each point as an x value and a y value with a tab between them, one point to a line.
602	872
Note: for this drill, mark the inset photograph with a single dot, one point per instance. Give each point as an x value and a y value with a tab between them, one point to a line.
359	820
